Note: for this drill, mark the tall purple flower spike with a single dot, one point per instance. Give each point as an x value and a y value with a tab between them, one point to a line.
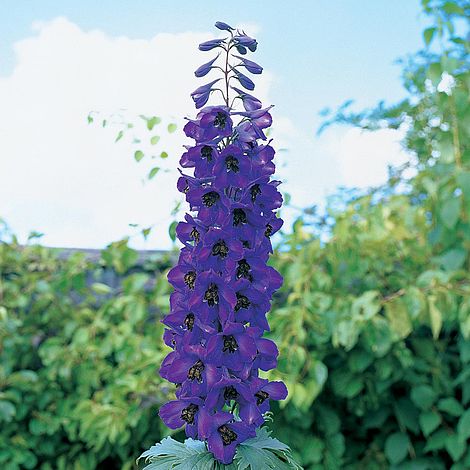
222	283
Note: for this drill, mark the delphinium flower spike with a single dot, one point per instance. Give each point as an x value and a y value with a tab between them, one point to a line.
222	284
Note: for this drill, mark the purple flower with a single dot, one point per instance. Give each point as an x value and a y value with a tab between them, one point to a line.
246	41
220	251
190	232
251	66
250	102
223	26
209	45
261	391
201	157
201	95
222	283
244	80
182	412
223	434
205	68
226	391
233	347
232	168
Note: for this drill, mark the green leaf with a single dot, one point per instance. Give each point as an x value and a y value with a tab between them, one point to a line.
450	212
164	155
428	35
172	128
455	446
170	454
423	396
398	316
437	441
153	172
264	452
435	317
152	122
119	136
138	155
463	428
452	8
450	406
429	421
463	180
367	305
172	230
155	139
396	447
101	288
7	411
407	414
452	259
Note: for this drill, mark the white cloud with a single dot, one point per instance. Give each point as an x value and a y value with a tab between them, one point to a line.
362	157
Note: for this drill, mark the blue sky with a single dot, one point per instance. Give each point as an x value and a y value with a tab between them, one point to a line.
317	53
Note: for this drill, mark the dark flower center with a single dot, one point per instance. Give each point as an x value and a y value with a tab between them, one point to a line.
211	296
220	249
242	302
230	344
228	436
269	230
230	393
188	413
190	279
220	120
210	198
261	397
254	191
232	164
206	152
194	235
246	244
189	321
243	270
195	371
186	188
239	217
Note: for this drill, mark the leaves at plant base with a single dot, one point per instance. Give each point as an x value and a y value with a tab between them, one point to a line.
260	453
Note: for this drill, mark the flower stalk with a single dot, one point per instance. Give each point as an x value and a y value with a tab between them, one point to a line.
222	283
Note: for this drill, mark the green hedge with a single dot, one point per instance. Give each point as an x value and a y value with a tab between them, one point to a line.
78	359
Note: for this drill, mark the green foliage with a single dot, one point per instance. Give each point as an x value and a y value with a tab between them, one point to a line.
80	344
260	453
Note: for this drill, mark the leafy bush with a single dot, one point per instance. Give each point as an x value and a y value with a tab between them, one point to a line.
79	387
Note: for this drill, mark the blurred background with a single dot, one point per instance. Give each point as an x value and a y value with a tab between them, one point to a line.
371	127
